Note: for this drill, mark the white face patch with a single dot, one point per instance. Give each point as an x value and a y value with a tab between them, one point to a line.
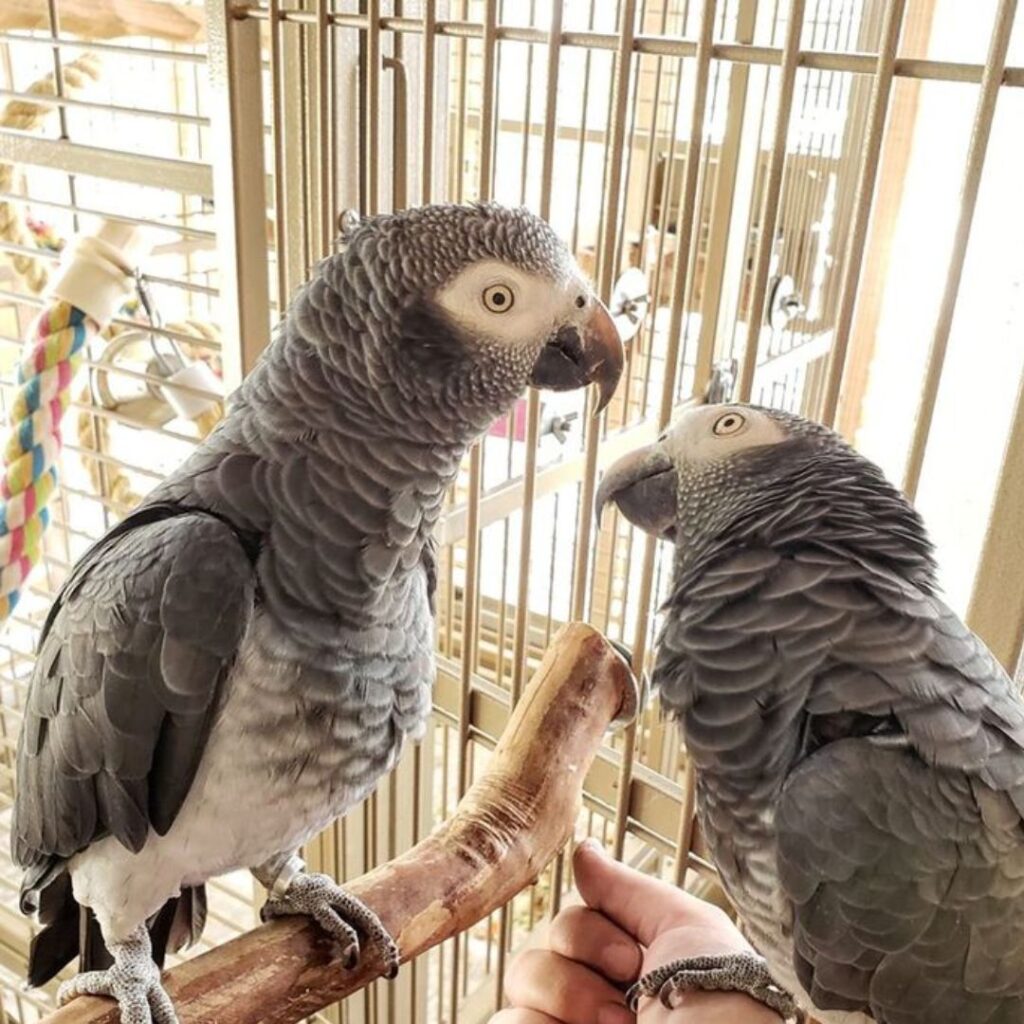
712	432
497	302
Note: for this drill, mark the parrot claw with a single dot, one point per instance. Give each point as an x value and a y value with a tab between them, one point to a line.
133	980
339	913
642	685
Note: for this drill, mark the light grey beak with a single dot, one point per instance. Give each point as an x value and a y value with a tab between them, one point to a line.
644	485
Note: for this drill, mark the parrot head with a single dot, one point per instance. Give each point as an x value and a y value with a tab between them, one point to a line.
476	303
726	474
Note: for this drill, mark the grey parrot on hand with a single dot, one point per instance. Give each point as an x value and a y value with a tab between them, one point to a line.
239	661
859	752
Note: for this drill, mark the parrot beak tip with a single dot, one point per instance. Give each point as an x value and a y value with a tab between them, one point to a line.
602	339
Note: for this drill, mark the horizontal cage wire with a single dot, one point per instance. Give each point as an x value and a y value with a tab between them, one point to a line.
742	180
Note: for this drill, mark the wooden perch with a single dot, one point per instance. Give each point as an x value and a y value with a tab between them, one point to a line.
110	19
509	825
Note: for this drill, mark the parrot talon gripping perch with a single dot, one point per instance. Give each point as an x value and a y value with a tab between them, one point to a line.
339	914
133	980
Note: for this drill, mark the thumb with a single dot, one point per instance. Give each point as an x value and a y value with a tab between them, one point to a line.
641	905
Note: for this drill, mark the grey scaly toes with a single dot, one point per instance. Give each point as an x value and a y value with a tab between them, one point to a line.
133	980
735	972
338	912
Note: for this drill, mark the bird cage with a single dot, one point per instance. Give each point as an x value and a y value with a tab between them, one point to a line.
811	204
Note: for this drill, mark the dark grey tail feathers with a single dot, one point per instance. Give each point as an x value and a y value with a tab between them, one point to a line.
179	923
70	930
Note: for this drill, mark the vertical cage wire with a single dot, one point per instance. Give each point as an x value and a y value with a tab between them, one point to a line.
606	269
672	359
995	66
862	210
770	203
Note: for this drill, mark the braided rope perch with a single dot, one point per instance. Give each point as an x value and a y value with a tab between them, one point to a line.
45	377
94	279
112	484
19	542
30	473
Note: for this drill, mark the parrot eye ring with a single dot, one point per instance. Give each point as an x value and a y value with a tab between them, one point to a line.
498	298
581	301
730	423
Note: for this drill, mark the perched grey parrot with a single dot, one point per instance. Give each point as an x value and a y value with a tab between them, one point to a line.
859	752
239	661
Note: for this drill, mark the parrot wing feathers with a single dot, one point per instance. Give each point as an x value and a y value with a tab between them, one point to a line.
907	886
121	696
902	848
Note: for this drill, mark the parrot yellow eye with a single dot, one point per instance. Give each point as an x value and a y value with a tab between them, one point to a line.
730	423
498	298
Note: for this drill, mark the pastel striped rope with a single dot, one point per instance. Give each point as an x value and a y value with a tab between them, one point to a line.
30	455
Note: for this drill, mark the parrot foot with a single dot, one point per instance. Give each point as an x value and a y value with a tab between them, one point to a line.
133	980
338	912
735	972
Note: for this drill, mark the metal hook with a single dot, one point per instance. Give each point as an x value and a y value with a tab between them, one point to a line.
153	319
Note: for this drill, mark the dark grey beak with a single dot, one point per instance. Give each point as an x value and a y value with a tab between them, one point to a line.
575	356
644	484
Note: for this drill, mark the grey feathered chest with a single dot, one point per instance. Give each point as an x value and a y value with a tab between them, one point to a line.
335	669
738	825
329	727
296	742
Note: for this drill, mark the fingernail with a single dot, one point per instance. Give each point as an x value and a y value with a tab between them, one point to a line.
590	843
622	961
614	1013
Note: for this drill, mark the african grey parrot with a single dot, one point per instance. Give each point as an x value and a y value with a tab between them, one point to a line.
859	752
238	662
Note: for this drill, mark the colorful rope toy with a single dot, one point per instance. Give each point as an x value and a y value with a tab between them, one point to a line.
94	279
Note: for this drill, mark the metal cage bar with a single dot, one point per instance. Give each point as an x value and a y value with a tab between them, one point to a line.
770	205
884	73
980	134
670	46
235	67
609	219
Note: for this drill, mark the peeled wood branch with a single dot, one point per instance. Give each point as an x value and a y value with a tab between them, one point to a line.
505	830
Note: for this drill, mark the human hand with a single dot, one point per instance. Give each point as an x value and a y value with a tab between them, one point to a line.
631	924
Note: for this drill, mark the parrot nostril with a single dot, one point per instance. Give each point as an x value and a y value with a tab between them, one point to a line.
567	341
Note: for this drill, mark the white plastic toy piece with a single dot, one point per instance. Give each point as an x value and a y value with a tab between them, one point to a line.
188	404
97	270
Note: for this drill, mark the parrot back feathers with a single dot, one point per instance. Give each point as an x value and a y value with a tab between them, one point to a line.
907	883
